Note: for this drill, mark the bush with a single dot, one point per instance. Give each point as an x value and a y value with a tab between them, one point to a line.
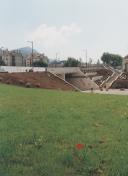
38	85
1	79
28	85
21	82
8	82
39	64
71	62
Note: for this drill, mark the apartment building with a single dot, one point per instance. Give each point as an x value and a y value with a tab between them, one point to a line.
12	58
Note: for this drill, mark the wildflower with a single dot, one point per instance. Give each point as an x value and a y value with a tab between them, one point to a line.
80	146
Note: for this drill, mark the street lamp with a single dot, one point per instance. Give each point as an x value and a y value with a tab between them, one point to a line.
32	51
57	57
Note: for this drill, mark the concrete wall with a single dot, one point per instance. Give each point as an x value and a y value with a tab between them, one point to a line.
92	68
57	71
64	70
62	76
12	69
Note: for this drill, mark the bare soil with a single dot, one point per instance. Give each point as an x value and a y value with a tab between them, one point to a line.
120	84
44	80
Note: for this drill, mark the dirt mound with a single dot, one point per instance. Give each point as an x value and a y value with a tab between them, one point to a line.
44	80
120	83
83	83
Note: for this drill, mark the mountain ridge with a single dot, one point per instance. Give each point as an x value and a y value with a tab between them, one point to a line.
26	51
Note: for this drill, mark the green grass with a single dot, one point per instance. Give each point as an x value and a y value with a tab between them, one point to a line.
40	128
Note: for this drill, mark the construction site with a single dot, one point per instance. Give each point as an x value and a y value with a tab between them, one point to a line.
66	78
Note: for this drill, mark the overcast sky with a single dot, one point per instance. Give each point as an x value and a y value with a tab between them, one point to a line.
66	27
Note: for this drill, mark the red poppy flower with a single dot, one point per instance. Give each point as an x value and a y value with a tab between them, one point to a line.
80	146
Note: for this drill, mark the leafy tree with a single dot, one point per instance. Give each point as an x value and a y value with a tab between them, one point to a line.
71	62
39	64
112	59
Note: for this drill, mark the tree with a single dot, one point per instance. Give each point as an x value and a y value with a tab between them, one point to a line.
71	62
112	59
39	63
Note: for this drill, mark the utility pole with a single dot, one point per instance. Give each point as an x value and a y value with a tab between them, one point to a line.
56	56
86	56
56	59
32	43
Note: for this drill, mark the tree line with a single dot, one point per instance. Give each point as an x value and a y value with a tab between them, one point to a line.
113	60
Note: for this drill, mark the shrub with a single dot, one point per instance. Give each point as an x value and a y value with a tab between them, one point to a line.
28	85
1	79
38	85
21	82
8	82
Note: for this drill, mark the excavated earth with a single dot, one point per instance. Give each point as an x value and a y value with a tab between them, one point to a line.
44	80
120	84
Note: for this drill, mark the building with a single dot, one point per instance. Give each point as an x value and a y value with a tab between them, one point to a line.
36	57
15	58
12	58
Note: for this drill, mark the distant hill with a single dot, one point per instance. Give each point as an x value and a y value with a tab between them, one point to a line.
26	51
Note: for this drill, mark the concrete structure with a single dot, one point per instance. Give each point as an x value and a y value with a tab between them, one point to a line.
70	75
11	69
110	92
125	64
92	68
75	77
63	71
12	58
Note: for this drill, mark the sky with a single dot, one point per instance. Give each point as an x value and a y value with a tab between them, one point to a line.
66	27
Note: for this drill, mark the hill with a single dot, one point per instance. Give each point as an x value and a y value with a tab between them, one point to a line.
26	51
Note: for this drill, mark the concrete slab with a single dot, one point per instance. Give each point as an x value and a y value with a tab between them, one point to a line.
109	92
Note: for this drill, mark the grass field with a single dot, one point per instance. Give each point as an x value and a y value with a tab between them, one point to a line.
39	130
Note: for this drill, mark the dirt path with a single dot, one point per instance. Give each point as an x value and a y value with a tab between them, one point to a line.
111	91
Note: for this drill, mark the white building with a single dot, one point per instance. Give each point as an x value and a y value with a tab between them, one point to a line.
12	58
